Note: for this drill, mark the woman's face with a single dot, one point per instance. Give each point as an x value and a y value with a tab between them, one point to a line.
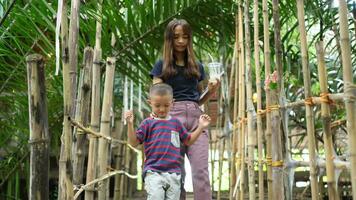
180	40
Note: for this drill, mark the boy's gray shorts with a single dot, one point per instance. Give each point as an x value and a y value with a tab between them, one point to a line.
162	185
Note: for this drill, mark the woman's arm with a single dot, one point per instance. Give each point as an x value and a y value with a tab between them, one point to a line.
212	88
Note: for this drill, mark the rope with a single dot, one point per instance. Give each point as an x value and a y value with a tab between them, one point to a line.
309	101
269	161
272	108
278	163
325	98
261	112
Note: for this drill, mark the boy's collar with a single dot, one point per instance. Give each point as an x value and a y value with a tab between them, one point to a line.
168	117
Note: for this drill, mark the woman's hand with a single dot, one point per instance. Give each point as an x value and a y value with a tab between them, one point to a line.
214	85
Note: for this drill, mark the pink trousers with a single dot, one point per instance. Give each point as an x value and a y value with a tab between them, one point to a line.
188	113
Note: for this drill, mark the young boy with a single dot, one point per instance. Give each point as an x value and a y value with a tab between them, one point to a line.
161	136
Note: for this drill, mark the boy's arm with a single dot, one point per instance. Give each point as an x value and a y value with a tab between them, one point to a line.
131	134
204	122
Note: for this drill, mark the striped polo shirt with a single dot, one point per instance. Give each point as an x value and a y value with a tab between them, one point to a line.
161	139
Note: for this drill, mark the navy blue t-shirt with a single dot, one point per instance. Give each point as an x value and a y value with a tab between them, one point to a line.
184	88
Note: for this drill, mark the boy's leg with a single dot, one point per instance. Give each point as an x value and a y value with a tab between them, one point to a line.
154	185
174	182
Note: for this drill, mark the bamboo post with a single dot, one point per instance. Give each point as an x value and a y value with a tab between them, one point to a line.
65	185
95	107
221	162
250	107
277	94
241	112
267	54
73	49
118	132
326	117
39	135
105	126
308	107
82	116
235	120
349	89
259	102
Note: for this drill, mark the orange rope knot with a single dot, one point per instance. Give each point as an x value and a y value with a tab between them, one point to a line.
325	98
269	161
261	112
309	101
272	107
278	163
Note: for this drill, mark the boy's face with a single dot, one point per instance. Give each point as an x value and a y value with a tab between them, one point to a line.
161	105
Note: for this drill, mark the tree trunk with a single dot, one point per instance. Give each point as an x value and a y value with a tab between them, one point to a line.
39	135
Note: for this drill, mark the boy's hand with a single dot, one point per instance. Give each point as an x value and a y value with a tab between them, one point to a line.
129	116
204	120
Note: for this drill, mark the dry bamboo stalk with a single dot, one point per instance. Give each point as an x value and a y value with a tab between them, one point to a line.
117	133
259	102
73	49
277	147
235	120
308	108
250	107
241	111
105	126
82	116
349	89
341	165
39	135
65	185
267	54
221	162
95	106
326	117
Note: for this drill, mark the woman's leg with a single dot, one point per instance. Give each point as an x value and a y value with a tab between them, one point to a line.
198	155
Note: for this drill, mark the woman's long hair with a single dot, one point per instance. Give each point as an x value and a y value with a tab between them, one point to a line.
191	69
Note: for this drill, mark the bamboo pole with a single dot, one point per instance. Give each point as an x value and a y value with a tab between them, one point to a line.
65	185
241	111
235	120
308	108
250	107
82	116
95	106
349	89
267	54
277	147
326	118
73	49
39	135
117	133
105	126
221	162
259	102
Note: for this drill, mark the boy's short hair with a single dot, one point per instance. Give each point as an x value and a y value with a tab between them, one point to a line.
161	89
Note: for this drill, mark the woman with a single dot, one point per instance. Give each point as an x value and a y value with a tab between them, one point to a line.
180	69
